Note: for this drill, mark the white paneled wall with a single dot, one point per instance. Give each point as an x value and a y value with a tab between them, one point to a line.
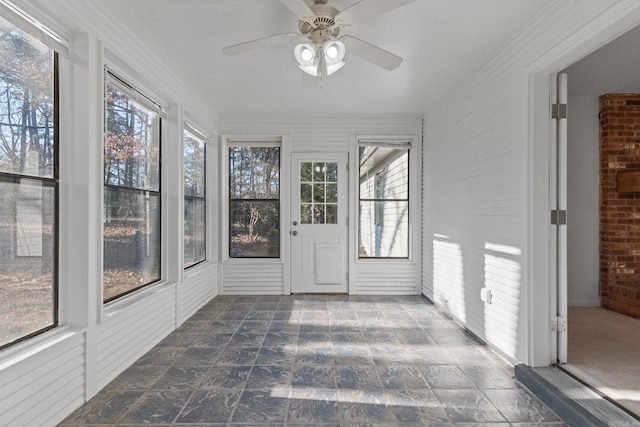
476	159
326	135
43	379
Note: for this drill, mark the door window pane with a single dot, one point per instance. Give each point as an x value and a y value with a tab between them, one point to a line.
319	178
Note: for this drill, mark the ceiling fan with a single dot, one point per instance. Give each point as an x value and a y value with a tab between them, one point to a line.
321	48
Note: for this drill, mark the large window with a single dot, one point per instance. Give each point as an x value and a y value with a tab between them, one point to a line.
28	185
195	229
131	190
254	200
384	200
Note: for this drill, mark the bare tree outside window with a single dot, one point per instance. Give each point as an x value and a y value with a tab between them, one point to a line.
131	195
28	185
195	229
254	201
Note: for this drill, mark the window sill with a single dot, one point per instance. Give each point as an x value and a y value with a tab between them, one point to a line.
119	305
32	347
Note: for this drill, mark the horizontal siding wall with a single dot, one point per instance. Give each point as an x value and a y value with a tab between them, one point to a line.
127	335
387	278
304	135
475	183
43	388
197	288
252	278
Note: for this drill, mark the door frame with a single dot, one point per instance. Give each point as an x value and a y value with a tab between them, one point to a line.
619	19
345	208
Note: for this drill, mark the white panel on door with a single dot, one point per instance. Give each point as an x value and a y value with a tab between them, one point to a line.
328	264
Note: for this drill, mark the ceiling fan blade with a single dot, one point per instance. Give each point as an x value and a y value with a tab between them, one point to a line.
366	9
260	43
371	53
299	8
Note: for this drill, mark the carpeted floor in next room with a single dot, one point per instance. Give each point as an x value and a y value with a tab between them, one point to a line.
604	352
323	361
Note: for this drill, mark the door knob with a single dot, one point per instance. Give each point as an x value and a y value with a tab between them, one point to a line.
294	233
295	222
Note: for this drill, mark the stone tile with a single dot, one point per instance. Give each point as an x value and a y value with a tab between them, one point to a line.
213	339
156	407
238	356
107	407
198	356
317	361
416	406
364	406
488	377
468	406
254	326
357	377
466	355
311	354
307	376
400	376
260	406
269	377
446	376
284	326
161	356
276	356
313	407
246	339
226	377
352	354
181	378
520	406
138	377
280	338
209	406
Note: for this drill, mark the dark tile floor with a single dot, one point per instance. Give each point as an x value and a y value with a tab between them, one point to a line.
322	361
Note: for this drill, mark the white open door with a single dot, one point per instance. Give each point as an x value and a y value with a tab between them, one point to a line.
319	232
558	230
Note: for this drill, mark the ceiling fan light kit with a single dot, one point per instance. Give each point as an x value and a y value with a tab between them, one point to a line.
320	52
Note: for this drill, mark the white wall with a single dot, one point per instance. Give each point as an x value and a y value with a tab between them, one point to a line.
486	179
241	276
583	182
45	378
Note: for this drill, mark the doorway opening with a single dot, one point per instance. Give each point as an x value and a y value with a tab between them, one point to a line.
603	343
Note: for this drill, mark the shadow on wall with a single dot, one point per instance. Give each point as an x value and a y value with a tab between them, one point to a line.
457	286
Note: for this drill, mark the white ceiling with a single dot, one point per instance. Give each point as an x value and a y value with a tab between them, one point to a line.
441	41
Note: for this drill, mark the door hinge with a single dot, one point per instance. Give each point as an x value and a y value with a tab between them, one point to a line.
559	217
558	111
558	324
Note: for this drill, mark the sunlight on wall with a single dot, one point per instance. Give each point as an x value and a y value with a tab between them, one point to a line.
448	275
502	274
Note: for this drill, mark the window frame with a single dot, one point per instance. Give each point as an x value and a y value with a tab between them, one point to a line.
225	176
51	182
408	144
122	85
190	129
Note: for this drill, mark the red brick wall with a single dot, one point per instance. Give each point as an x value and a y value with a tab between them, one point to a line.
619	212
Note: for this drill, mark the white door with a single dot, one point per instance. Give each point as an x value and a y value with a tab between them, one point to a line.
558	180
318	229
